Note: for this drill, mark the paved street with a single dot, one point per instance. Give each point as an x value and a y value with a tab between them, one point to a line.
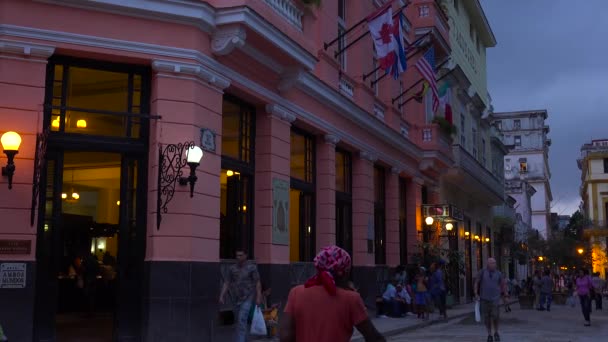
562	324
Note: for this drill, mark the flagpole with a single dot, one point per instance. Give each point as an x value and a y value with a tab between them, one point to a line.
422	79
383	76
412	46
408	100
339	52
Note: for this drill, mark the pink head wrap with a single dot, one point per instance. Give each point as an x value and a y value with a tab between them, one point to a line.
332	259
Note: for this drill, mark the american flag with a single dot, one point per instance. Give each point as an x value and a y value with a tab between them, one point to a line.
426	67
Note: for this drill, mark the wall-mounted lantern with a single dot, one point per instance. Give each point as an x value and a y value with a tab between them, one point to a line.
10	143
193	159
172	158
429	220
449	226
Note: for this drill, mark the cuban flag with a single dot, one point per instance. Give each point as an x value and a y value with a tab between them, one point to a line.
400	63
382	31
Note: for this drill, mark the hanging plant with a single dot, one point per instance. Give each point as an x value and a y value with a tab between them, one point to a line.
447	127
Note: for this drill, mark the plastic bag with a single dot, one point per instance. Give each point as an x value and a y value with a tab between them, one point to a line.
258	325
477	312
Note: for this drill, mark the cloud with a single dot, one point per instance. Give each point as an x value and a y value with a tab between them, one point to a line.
551	54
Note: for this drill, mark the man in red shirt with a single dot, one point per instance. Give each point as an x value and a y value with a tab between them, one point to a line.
326	309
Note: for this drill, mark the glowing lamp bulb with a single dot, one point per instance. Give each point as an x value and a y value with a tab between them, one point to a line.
229	173
81	123
429	220
10	141
64	195
75	195
449	226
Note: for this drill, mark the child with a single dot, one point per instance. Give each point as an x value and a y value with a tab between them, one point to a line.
421	294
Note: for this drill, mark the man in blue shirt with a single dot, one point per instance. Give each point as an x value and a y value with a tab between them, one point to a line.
392	301
489	286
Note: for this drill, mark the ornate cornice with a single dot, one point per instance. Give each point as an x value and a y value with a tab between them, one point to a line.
280	112
26	49
368	156
331	139
227	38
396	170
197	70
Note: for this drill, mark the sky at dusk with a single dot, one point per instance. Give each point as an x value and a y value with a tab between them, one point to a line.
551	55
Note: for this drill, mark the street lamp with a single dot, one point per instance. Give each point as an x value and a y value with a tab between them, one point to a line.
487	239
449	226
429	220
580	251
193	156
10	143
540	258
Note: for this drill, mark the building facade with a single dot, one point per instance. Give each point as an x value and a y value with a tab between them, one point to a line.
472	184
300	152
525	134
593	164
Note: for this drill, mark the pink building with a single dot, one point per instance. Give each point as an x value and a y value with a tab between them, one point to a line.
299	152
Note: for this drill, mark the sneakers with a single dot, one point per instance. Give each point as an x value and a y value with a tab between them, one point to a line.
587	323
496	337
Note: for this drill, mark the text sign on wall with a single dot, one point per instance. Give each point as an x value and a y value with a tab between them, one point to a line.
15	246
12	275
280	212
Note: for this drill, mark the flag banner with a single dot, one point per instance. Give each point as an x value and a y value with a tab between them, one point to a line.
381	29
426	67
445	95
419	96
400	63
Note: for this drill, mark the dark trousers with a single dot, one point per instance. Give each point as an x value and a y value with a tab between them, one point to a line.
545	298
598	301
393	308
585	306
440	302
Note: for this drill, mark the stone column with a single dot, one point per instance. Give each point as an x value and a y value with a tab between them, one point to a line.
182	255
363	209
326	191
414	215
392	217
22	88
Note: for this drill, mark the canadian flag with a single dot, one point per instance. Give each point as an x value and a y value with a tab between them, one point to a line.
381	29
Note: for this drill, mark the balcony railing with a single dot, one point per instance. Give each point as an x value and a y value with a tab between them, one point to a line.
434	139
288	10
469	164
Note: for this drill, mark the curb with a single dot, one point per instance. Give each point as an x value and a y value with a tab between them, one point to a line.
397	331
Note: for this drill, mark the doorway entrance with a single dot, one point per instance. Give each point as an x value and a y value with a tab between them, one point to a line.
93	194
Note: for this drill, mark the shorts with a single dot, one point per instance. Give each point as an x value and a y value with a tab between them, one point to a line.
421	298
489	310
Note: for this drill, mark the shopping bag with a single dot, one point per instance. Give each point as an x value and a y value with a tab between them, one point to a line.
258	325
477	313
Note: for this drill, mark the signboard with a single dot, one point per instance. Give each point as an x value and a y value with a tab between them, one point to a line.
207	140
280	212
12	275
15	246
442	211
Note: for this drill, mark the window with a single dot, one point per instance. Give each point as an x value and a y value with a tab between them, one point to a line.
379	215
97	99
498	125
474	141
463	138
523	165
517	140
341	32
483	152
516	124
605	165
236	177
402	222
423	11
302	198
344	199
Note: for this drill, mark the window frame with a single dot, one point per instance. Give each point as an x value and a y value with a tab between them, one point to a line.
516	124
380	216
342	42
344	202
517	140
424	11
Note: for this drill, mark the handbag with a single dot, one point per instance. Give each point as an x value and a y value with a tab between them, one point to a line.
258	325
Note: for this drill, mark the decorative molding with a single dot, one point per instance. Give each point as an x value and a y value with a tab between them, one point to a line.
26	48
198	70
225	39
368	156
280	112
261	57
379	111
418	180
331	139
396	170
303	80
346	87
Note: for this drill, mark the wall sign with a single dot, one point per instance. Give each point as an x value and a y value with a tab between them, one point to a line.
15	247
12	275
207	140
280	212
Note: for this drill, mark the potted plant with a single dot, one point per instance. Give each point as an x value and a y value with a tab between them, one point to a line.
446	127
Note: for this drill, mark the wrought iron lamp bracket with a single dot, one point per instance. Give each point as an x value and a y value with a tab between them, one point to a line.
171	161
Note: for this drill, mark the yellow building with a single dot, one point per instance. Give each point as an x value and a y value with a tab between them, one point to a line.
594	192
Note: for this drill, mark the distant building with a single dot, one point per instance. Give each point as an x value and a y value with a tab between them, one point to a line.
594	193
525	135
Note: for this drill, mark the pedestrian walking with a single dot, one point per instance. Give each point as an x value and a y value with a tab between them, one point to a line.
546	290
421	297
325	309
536	285
438	289
244	285
598	289
489	287
584	287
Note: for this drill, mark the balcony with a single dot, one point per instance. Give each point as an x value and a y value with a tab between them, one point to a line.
288	10
428	15
432	138
472	177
